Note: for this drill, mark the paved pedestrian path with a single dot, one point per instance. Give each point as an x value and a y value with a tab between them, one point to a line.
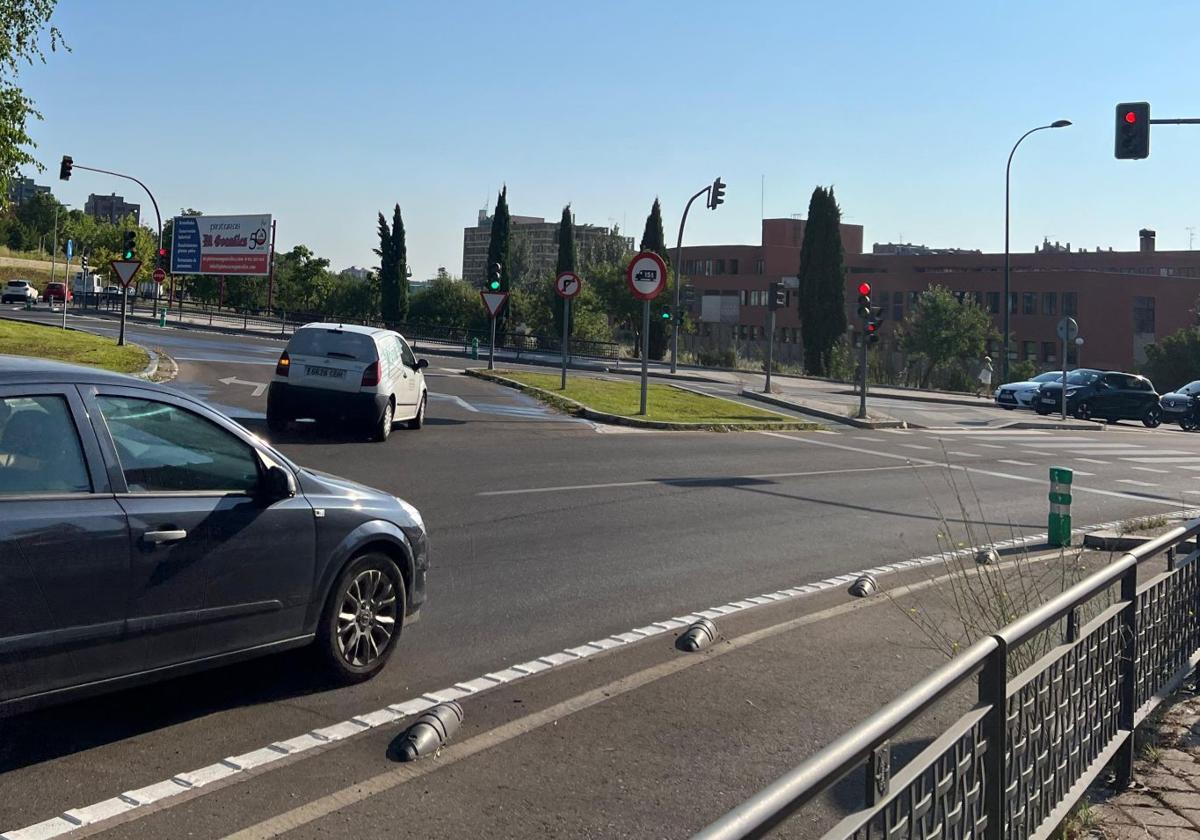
1165	801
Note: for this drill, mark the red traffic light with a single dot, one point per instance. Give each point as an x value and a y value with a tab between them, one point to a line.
872	326
864	289
162	252
1130	117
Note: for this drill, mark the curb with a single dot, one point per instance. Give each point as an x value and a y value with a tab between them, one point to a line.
577	409
636	370
828	415
151	367
1070	425
902	395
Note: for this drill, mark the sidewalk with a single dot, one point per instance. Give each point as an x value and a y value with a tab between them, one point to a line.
1166	803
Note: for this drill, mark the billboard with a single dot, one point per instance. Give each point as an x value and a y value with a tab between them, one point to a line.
221	245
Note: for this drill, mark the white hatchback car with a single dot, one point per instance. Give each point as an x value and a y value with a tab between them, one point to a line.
364	376
18	291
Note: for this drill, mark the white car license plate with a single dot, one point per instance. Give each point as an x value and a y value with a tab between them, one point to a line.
332	373
1048	400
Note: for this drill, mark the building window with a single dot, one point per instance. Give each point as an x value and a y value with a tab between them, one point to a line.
744	297
1029	303
1048	354
733	266
1143	315
719	266
977	298
898	306
741	330
913	297
1012	303
993	303
884	300
1070	306
1029	350
758	266
1049	303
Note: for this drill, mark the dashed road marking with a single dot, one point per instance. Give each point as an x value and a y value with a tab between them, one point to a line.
1015	463
1150	470
1135	483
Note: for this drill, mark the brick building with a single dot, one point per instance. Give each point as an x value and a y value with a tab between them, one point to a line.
1123	300
543	243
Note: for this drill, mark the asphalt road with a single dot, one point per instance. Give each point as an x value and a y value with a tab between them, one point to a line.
548	532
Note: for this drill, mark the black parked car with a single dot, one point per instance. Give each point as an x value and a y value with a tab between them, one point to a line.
1110	396
143	535
1182	406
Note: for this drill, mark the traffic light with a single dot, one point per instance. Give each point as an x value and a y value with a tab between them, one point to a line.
64	169
777	299
864	300
162	259
494	277
716	195
1133	131
83	263
665	315
129	242
872	329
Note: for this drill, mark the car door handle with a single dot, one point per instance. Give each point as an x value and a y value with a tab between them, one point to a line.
160	537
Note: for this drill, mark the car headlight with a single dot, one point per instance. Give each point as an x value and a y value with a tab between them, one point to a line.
1072	392
412	512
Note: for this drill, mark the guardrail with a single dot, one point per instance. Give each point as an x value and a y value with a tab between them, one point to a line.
1016	763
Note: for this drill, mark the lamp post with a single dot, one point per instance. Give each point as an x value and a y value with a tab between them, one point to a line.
1007	172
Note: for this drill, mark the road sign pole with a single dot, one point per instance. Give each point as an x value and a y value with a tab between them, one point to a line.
770	348
492	347
1064	387
66	289
645	351
566	337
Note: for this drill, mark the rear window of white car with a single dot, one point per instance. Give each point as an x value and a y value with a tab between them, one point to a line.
332	344
18	284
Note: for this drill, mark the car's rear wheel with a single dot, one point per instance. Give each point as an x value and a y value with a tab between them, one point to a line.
363	618
1040	410
1083	411
419	420
1152	417
383	426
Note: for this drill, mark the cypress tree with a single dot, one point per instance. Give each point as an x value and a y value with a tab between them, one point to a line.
822	298
498	244
387	271
654	240
400	260
566	262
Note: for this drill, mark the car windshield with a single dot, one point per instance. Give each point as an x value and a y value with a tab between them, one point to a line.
1082	377
332	344
1191	389
1048	376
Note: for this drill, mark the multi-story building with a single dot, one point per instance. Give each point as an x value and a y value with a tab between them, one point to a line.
541	235
21	190
111	208
1122	300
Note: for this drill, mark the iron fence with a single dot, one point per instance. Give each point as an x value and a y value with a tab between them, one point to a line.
1013	766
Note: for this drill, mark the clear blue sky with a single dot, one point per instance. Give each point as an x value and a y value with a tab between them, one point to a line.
325	113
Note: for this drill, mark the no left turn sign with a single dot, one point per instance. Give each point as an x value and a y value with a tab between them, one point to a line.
646	275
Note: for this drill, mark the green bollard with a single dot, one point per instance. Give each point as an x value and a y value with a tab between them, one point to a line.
162	317
1060	506
474	348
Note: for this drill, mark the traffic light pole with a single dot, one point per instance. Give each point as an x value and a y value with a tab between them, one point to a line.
678	285
770	347
862	378
492	347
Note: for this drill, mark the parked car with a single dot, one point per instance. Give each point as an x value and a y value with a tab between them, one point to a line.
1182	406
57	291
1110	396
1022	394
363	376
144	535
18	291
115	292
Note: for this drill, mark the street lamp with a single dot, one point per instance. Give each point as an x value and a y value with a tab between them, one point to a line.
1007	171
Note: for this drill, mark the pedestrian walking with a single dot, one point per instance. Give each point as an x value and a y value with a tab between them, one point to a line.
985	376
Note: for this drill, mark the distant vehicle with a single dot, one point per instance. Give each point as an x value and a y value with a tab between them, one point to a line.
57	291
1182	406
647	274
1110	396
86	283
18	291
1022	394
364	376
115	291
157	537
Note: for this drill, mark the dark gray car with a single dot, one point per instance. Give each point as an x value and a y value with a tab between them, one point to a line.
144	535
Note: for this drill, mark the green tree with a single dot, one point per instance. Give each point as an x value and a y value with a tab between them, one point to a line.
448	302
498	246
1174	361
303	281
566	262
944	333
822	282
400	258
352	299
654	240
389	273
21	25
518	270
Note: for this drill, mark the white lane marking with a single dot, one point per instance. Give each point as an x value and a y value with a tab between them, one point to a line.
1108	453
1058	441
1093	461
1151	470
991	445
988	434
223	361
459	401
1164	460
1081	472
965	454
1135	483
1015	463
1099	446
682	481
916	446
973	470
258	387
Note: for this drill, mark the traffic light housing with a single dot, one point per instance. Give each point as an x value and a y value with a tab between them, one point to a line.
162	259
872	330
128	244
1133	131
864	300
716	194
493	282
64	169
83	263
777	298
665	315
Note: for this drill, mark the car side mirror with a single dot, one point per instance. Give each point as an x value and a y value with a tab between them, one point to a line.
277	484
422	364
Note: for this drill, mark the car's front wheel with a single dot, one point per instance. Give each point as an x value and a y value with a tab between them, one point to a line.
1152	418
363	617
1083	411
383	426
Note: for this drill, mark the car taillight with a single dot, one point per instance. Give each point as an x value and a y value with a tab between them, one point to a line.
283	365
371	374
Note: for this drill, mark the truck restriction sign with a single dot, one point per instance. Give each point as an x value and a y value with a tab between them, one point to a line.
647	275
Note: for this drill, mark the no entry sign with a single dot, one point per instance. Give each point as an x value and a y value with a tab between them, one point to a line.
646	275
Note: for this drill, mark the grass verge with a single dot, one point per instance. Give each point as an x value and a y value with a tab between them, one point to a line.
78	348
666	404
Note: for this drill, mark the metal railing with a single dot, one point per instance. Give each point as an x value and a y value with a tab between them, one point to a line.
1014	765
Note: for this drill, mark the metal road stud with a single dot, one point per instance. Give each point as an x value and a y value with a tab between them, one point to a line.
1059	527
429	732
863	586
700	634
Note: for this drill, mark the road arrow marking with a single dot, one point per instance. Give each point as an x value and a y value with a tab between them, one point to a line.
258	387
